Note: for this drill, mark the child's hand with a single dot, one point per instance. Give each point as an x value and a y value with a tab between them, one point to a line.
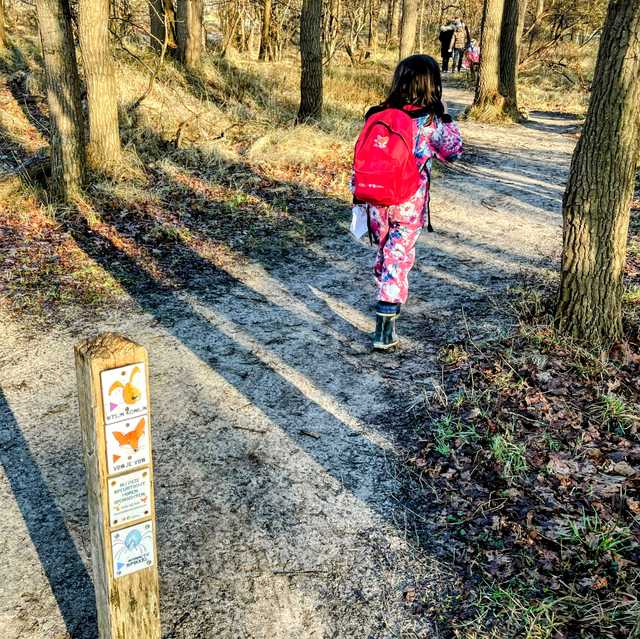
445	107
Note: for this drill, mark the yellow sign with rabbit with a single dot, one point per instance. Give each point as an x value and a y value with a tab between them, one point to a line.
124	393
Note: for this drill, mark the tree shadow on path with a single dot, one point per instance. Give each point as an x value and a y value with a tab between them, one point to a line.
69	579
286	391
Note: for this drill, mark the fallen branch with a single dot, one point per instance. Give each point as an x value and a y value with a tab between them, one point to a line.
35	169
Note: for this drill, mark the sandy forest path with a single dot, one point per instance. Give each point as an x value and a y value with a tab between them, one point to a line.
280	501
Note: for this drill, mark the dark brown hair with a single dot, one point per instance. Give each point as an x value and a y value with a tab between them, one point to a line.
417	82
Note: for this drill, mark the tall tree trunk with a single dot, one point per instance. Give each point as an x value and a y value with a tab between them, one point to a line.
63	96
103	150
408	27
374	21
392	18
3	34
266	30
598	195
189	18
535	29
162	17
510	37
421	27
311	57
488	98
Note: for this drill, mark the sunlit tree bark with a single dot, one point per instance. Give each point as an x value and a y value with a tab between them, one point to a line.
162	17
598	195
510	37
488	100
265	34
103	150
63	97
408	25
3	33
189	17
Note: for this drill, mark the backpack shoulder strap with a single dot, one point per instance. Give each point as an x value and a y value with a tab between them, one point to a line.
374	110
416	114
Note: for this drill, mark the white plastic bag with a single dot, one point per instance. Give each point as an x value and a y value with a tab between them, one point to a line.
359	221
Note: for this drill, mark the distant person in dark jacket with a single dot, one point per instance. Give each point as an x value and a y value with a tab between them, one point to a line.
459	43
446	40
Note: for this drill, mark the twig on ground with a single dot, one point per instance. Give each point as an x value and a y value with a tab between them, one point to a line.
251	430
309	433
302	571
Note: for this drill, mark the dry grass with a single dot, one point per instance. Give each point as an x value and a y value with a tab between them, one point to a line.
43	268
217	136
245	109
560	80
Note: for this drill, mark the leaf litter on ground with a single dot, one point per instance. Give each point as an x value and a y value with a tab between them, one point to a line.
529	466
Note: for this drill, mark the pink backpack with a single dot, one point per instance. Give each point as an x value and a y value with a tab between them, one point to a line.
385	169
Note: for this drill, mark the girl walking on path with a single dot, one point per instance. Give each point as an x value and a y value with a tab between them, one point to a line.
416	91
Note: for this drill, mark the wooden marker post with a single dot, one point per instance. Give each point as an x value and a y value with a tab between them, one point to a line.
113	388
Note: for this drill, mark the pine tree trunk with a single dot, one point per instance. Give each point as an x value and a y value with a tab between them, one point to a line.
189	18
311	57
408	27
103	149
63	96
162	19
488	96
511	34
598	195
266	30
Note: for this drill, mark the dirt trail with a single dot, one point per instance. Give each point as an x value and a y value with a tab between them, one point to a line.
279	499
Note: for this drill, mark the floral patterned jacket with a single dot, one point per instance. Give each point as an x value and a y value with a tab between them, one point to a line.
439	138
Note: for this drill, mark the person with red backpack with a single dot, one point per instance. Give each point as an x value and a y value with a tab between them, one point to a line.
392	175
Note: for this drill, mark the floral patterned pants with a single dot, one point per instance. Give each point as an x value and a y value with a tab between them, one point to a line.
395	230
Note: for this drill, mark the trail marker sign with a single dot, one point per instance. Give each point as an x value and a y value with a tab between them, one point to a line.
132	548
130	497
115	418
127	444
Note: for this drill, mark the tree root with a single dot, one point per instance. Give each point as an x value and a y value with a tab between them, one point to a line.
494	111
